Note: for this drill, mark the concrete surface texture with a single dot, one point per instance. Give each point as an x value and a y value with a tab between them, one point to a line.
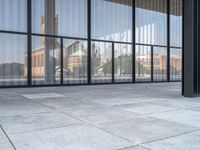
104	117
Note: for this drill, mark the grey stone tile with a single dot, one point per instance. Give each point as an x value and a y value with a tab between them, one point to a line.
80	137
195	109
42	95
145	108
23	109
1	132
36	122
144	129
71	104
189	141
75	105
112	101
178	103
135	148
186	117
100	115
4	142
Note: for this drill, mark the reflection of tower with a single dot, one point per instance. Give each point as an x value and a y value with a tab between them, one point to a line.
55	32
49	27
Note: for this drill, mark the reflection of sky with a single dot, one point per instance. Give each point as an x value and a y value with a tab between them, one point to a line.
12	14
12	48
109	18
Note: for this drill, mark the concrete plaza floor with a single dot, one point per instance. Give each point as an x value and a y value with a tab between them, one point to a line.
103	117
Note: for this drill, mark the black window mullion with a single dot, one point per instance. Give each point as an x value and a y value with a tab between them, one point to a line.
89	41
61	61
133	41
29	58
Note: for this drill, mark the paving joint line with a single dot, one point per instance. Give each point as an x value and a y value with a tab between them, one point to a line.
8	138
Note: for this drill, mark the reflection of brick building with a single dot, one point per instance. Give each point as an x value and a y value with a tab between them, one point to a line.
74	57
160	62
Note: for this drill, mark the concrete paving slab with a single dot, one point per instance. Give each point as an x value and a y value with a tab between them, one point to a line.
80	137
34	122
112	101
135	148
42	95
145	108
186	117
178	103
23	109
189	141
70	104
100	115
5	144
144	129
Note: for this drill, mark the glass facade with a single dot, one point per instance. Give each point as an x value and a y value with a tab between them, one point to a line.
123	62
101	62
160	64
13	59
60	17
75	61
176	40
143	63
46	61
112	20
68	42
13	15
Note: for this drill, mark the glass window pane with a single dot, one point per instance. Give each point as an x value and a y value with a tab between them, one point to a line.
74	61
143	63
112	20
151	22
175	64
123	63
176	19
45	60
13	59
60	17
176	23
101	62
159	64
13	15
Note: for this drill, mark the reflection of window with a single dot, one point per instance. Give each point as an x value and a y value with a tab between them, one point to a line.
13	15
75	62
60	17
13	59
151	22
112	20
101	63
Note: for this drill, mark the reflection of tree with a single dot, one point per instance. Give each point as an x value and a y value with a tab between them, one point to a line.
175	70
124	64
11	70
141	68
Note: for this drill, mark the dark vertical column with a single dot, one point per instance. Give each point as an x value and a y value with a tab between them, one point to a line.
50	23
89	41
133	40
183	50
152	59
168	40
191	48
29	69
61	61
113	62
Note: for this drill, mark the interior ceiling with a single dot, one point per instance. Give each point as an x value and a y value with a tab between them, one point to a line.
155	5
